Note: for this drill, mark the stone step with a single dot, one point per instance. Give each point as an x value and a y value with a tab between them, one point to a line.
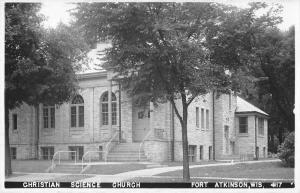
125	156
126	152
122	159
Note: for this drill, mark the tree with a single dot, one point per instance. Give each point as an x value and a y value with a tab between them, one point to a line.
274	59
170	51
38	62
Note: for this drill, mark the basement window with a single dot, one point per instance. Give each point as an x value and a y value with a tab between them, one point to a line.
192	153
47	153
13	152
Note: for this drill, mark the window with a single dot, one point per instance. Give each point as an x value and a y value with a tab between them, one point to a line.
197	117
207	119
264	152
260	126
77	152
47	153
201	152
243	124
192	153
49	116
77	112
15	122
13	152
113	109
104	109
202	118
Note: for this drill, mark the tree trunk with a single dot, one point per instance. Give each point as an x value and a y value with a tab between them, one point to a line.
183	123
185	150
8	170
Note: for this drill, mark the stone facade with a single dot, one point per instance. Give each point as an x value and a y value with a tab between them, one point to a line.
213	125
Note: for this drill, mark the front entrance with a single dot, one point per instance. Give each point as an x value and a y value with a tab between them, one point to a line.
141	120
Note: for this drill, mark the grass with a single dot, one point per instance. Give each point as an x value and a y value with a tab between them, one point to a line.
30	166
114	168
70	178
271	170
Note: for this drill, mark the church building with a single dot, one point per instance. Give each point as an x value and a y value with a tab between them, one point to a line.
102	123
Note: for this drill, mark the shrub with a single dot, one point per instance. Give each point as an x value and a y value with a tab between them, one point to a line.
286	151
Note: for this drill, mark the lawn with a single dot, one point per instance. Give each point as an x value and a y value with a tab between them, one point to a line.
271	170
30	166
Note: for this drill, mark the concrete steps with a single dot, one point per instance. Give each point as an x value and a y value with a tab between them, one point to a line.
67	168
126	152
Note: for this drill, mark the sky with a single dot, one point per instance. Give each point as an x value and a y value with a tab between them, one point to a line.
57	11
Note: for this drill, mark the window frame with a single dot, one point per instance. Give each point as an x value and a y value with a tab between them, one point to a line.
201	152
192	149
197	118
13	153
202	118
77	104
243	124
15	122
49	120
47	152
105	116
207	119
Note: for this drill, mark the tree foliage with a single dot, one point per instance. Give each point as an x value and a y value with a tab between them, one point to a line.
39	63
286	150
275	62
174	51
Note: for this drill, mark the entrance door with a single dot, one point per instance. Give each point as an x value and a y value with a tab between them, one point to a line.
141	116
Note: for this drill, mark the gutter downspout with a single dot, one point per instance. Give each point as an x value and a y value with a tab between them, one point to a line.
255	139
214	137
120	128
37	134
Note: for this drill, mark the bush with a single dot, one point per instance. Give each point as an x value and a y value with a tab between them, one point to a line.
286	151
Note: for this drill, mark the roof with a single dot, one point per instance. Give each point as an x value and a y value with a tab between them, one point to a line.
245	107
98	74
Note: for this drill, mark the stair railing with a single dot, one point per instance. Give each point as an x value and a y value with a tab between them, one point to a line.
142	143
107	147
89	153
58	153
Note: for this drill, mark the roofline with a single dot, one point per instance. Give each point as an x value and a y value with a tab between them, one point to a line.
252	112
91	75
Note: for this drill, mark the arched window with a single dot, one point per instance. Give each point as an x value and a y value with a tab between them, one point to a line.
77	112
104	109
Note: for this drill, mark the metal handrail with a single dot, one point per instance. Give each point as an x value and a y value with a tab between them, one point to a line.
88	153
107	145
58	152
142	143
